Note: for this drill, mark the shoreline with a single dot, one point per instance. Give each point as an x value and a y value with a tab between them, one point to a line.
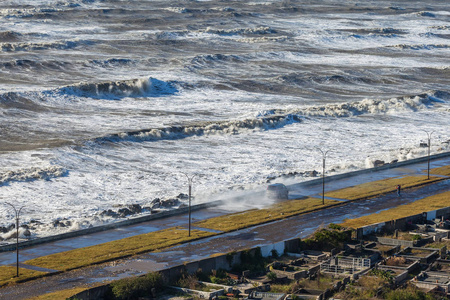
173	212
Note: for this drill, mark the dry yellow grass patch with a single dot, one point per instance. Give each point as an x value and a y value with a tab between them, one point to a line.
259	216
7	274
87	256
445	170
60	295
375	188
426	204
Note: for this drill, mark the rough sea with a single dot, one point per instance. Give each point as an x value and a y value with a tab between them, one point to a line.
106	103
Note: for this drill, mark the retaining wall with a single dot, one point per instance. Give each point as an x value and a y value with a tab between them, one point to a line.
206	265
402	223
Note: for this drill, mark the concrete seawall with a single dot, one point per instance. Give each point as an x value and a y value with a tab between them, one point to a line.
375	169
127	222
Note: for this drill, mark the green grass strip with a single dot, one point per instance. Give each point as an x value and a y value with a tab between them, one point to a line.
426	204
87	256
253	217
445	170
7	274
376	188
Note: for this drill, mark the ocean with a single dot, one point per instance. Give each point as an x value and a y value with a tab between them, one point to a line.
108	103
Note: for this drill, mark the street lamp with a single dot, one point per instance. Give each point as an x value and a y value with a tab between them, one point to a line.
324	155
429	145
190	179
17	212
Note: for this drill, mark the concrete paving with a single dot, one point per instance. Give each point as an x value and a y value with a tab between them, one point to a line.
298	226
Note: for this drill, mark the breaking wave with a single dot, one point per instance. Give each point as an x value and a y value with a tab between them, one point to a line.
300	79
277	118
25	12
440	27
111	62
426	14
32	64
371	106
216	58
31	174
13	100
180	10
265	39
58	45
421	47
9	36
220	127
241	31
148	87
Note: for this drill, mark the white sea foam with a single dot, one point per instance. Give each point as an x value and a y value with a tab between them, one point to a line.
45	173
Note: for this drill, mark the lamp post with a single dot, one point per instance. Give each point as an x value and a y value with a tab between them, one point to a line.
429	145
190	180
17	212
324	155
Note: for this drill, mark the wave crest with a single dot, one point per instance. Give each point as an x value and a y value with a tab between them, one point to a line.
300	79
214	58
9	36
148	87
421	47
369	106
277	118
426	14
241	31
220	127
58	45
31	174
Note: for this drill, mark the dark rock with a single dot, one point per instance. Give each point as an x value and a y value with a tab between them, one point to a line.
183	196
156	200
7	229
170	202
36	222
109	213
394	161
290	174
27	233
123	212
156	203
269	179
146	208
312	173
135	208
378	163
58	223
